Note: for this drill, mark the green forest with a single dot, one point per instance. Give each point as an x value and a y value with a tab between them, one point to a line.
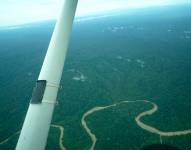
135	55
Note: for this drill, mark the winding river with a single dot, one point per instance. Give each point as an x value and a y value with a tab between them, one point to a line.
61	137
100	108
137	119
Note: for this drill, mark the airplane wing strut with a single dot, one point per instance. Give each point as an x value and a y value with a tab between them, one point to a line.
36	126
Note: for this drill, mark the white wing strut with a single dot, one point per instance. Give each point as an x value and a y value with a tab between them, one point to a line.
36	126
